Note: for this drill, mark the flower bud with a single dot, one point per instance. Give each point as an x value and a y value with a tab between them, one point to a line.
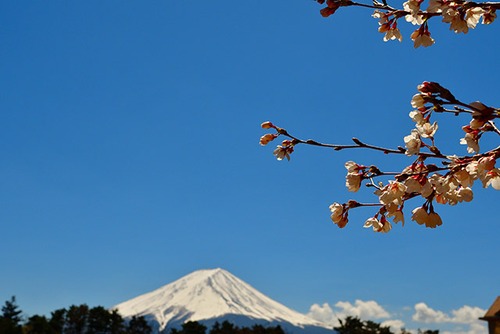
268	137
267	125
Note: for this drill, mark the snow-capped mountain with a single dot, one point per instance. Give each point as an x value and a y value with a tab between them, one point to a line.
213	295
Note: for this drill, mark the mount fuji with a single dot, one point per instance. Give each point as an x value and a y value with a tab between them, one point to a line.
214	295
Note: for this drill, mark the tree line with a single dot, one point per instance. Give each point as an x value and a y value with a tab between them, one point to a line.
82	319
354	325
226	327
76	319
349	325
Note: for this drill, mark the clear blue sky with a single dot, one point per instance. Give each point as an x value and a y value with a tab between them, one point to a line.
130	157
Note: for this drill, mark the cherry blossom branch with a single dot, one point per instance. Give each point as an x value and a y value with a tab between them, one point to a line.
357	144
461	15
336	147
419	179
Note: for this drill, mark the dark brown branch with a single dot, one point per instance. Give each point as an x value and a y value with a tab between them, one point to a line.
358	144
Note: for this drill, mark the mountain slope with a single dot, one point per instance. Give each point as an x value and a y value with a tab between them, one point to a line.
210	295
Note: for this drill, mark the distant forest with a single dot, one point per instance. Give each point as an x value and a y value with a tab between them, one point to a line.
99	320
73	320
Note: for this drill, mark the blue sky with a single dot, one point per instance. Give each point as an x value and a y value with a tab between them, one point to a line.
130	156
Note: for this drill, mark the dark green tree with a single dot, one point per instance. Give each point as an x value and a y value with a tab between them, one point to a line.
225	328
10	320
57	320
116	322
428	331
215	328
138	325
354	325
245	330
350	325
376	328
38	325
258	329
190	327
98	320
193	327
11	311
275	330
76	319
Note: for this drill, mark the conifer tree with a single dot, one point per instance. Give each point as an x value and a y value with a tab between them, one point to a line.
10	320
138	325
38	325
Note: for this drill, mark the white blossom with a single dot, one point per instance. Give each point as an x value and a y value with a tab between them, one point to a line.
417	117
492	178
353	182
392	193
412	143
337	211
427	130
472	16
413	7
420	215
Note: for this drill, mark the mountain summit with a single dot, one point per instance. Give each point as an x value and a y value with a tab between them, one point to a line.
213	295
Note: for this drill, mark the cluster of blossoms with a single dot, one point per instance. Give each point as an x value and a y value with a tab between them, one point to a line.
282	151
449	184
460	15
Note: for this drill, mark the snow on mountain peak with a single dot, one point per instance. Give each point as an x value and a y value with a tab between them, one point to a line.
208	294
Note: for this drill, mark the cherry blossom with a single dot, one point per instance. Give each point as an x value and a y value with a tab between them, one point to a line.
353	167
417	116
392	34
472	16
427	130
392	193
419	215
284	151
337	211
454	17
418	101
429	219
489	16
492	178
397	214
422	37
472	141
464	177
353	182
435	6
338	214
465	194
419	185
412	143
381	225
486	163
433	220
414	16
